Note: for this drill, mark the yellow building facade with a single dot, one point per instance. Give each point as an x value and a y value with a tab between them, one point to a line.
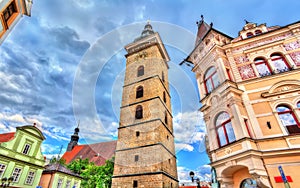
11	12
250	93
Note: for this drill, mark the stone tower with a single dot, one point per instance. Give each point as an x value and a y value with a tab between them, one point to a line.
145	154
74	139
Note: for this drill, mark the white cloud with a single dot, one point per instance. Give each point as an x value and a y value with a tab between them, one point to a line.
184	147
188	129
201	172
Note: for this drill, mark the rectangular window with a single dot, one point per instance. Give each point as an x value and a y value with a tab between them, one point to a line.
30	178
9	11
68	185
2	169
59	183
26	149
136	158
135	184
16	174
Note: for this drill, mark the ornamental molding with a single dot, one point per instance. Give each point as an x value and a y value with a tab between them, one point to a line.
292	45
261	42
295	57
283	87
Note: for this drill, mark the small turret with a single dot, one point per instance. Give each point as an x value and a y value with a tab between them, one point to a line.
74	139
146	32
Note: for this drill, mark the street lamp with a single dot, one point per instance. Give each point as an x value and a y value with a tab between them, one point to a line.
5	182
192	175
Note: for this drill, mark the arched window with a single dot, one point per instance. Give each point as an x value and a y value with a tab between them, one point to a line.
258	32
139	92
279	63
262	66
249	34
298	104
224	129
139	112
248	183
288	119
211	79
163	76
140	71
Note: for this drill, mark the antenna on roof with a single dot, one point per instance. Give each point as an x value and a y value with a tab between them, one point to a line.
61	147
78	123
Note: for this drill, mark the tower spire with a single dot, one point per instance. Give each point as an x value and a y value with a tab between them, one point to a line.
148	30
74	138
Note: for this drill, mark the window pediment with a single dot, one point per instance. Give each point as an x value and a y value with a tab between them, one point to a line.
282	88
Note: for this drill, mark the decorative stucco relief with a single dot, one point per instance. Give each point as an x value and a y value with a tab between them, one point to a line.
296	57
262	42
246	72
292	45
241	59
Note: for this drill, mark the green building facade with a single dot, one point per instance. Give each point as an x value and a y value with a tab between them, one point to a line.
21	158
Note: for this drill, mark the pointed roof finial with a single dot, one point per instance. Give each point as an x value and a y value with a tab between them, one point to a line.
202	17
246	21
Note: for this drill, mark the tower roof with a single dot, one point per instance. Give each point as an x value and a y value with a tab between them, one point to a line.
148	30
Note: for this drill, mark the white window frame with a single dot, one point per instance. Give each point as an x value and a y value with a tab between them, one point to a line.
30	177
26	149
16	174
60	183
2	169
68	184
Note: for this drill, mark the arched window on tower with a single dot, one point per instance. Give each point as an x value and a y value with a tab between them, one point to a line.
164	97
224	129
298	104
140	71
211	79
288	119
139	92
166	118
279	63
262	66
163	76
139	112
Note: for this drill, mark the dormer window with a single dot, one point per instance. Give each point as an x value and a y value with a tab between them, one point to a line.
258	32
26	149
249	34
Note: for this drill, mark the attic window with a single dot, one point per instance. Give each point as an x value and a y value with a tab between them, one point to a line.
258	32
249	34
26	149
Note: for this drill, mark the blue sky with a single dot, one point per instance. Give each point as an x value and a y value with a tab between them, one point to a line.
66	63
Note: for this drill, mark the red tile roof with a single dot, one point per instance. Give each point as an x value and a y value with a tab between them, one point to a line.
6	137
97	153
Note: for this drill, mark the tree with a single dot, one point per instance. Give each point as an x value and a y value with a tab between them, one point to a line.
93	176
56	160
